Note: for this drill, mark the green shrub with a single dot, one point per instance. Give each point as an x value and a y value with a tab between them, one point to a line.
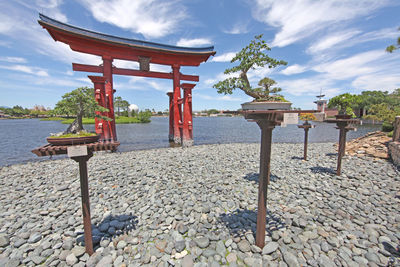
387	127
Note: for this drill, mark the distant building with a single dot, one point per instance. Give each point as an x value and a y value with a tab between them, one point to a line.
324	111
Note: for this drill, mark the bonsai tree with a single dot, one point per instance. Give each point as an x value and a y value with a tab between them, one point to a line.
263	92
79	102
252	56
344	103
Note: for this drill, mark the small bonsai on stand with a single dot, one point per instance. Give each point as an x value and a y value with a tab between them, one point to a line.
344	104
252	56
79	102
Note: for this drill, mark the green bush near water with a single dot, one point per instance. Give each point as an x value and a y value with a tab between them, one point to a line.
387	127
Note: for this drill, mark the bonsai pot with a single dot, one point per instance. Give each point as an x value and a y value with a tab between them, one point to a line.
266	105
343	117
73	140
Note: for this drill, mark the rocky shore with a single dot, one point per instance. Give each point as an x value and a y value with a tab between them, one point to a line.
373	144
197	207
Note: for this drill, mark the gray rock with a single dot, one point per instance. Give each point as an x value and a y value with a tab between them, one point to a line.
38	259
105	261
202	242
93	259
182	229
187	261
121	244
269	248
244	246
231	258
4	240
220	248
104	243
11	263
249	261
71	259
180	246
35	237
78	251
19	242
290	259
372	257
325	261
208	253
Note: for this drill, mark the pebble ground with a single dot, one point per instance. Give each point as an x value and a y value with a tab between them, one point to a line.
197	207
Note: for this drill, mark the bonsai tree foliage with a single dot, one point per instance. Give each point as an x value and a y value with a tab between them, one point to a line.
79	102
344	103
252	56
263	92
391	48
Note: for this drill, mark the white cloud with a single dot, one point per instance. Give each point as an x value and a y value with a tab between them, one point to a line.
152	18
218	98
372	70
329	41
362	63
238	28
380	81
309	86
298	19
13	59
125	64
26	69
193	42
52	9
221	76
294	69
227	57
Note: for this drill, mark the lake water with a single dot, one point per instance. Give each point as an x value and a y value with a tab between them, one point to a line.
19	137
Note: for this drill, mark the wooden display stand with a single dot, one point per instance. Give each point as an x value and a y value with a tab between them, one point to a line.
80	154
266	120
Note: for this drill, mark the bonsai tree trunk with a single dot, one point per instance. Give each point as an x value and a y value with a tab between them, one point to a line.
77	125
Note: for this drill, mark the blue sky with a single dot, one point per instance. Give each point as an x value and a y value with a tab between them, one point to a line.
335	46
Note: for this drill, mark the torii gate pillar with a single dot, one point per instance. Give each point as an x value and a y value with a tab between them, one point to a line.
171	116
187	127
101	126
107	73
177	104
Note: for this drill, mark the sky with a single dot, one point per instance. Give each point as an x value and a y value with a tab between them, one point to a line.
333	46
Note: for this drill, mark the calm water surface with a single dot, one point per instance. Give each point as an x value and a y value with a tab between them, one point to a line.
19	137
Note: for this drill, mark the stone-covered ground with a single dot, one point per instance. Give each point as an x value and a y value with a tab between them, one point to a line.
197	207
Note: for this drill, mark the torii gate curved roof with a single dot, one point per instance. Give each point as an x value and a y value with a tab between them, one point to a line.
90	42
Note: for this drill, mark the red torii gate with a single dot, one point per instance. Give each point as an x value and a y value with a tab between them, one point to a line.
111	47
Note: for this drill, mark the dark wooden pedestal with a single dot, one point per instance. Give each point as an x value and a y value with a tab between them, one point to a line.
343	126
306	126
49	150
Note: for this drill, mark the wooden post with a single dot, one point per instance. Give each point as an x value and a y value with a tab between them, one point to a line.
342	146
396	130
305	142
187	129
87	226
177	106
171	117
263	180
306	126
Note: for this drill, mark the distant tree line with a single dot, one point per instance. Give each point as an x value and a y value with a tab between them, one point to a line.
372	105
19	111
